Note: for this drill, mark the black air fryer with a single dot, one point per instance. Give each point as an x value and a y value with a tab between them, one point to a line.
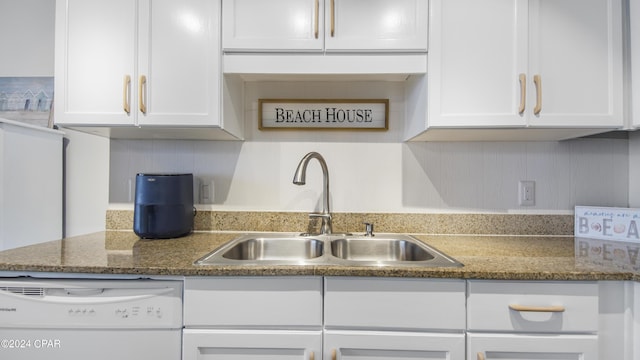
163	206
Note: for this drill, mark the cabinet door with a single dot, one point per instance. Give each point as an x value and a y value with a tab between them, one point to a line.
354	345
251	345
576	50
95	54
179	63
277	25
393	303
288	302
376	25
477	50
530	347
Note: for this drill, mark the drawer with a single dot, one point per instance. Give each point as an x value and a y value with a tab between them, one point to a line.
394	303
532	346
253	302
532	306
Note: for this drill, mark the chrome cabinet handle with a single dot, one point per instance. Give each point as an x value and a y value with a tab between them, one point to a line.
552	309
523	93
333	17
125	94
538	82
142	90
317	18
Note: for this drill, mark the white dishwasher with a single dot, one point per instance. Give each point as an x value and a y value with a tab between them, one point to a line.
63	319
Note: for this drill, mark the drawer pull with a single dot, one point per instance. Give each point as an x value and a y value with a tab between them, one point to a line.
480	356
312	356
334	354
552	309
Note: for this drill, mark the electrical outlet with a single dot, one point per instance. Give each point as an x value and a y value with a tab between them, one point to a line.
527	193
206	191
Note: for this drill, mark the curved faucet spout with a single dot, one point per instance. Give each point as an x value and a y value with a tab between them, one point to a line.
299	178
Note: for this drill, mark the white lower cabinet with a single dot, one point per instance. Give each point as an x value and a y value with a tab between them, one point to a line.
531	347
238	318
362	318
532	320
394	318
209	344
389	345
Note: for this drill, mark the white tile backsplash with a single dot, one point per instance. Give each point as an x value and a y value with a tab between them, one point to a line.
388	177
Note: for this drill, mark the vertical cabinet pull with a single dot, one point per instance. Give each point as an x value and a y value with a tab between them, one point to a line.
125	94
312	356
142	91
317	18
551	309
480	356
523	93
334	354
333	17
538	82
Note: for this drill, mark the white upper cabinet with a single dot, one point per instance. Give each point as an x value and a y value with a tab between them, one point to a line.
179	58
95	61
525	63
477	49
146	63
331	25
277	25
575	48
376	25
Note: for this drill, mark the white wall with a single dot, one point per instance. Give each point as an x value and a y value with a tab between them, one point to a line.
376	172
26	34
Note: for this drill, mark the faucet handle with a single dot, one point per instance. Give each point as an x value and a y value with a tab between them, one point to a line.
319	215
326	228
368	228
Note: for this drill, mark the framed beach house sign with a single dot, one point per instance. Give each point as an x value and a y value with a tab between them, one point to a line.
323	114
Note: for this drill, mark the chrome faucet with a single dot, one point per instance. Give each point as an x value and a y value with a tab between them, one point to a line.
299	178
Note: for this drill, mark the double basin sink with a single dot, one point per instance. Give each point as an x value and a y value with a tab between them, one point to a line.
347	250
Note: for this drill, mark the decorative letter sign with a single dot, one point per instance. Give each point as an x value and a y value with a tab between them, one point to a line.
323	114
605	223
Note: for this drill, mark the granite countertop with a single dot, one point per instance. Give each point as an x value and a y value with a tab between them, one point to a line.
484	257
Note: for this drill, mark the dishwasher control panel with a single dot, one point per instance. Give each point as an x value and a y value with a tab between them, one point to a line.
114	304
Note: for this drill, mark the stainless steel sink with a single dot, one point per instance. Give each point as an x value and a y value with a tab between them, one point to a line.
394	250
266	249
347	250
275	249
368	249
